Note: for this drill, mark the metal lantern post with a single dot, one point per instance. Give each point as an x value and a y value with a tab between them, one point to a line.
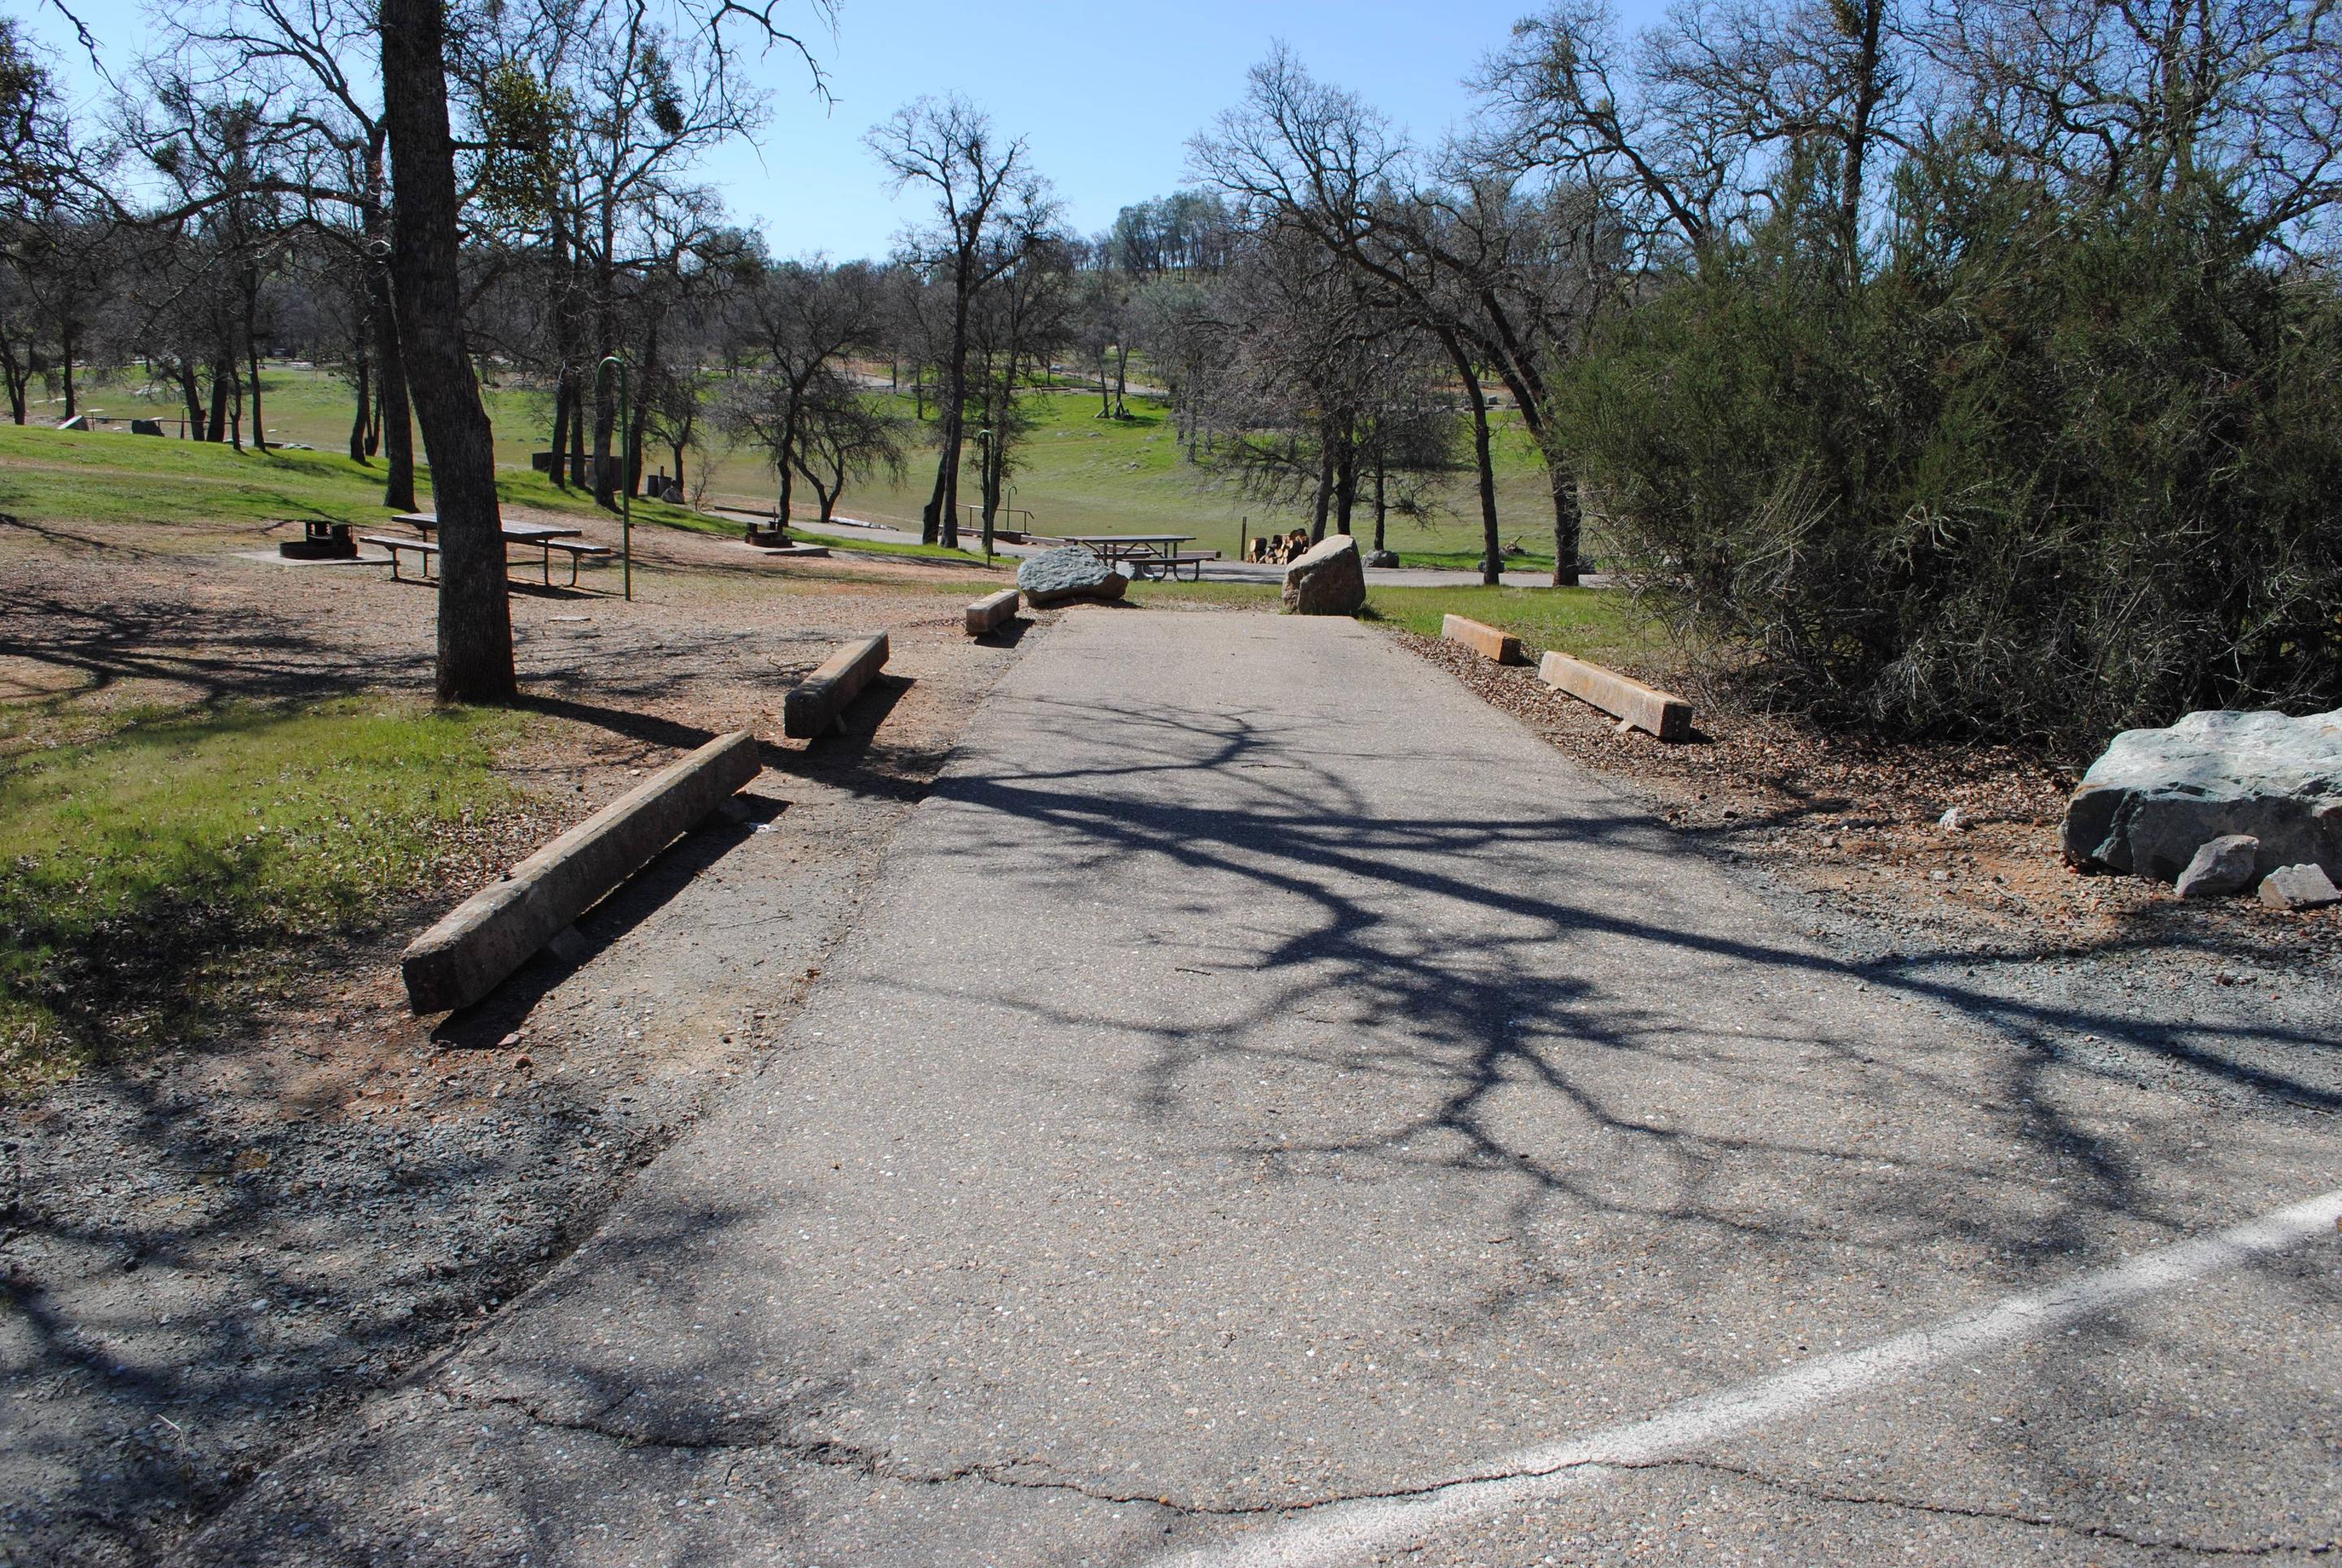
626	451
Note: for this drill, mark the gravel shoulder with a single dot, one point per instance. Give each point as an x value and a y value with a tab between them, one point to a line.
207	1255
2227	1002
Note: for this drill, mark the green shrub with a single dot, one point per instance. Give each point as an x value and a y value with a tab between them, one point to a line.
2042	474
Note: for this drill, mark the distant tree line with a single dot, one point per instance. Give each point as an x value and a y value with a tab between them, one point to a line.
1967	367
1971	368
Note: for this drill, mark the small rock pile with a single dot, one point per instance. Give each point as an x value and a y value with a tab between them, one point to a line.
2218	804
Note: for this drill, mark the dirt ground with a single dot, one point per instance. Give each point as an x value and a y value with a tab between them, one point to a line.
208	1253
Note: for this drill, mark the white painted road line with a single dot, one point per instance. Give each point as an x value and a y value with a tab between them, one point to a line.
1339	1532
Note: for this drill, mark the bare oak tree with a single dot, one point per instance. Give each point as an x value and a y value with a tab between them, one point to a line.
990	207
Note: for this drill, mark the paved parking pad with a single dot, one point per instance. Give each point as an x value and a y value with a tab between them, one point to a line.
1270	1087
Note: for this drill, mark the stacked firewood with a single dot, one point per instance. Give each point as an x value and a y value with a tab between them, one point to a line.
1278	551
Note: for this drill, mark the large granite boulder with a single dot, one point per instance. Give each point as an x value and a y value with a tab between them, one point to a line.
2157	796
1328	579
1065	574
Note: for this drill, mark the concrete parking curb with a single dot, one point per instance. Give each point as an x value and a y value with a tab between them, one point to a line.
495	932
1647	708
818	701
1482	639
991	612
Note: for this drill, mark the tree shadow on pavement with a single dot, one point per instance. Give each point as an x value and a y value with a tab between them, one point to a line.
1510	1038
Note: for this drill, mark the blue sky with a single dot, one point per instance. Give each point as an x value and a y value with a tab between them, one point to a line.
1108	94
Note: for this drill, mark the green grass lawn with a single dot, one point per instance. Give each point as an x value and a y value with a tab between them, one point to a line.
144	871
685	518
66	476
1080	474
1076	473
1600	624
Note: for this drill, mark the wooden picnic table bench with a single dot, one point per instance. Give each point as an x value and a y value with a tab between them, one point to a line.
543	538
576	552
1167	568
1115	550
423	549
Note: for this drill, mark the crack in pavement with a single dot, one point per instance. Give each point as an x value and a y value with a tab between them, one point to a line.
831	1454
867	1462
2010	1516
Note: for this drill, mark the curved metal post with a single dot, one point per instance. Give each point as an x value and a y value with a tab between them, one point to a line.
626	451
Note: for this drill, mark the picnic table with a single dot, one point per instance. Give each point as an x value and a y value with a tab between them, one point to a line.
1153	556
546	537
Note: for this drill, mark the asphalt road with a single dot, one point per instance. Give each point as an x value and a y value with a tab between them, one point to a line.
1273	1110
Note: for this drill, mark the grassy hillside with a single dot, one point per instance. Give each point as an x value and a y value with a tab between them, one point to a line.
66	476
1076	473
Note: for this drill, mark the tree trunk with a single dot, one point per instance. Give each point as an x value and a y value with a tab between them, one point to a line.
786	465
563	389
1492	561
360	418
1346	483
192	392
1325	491
1382	504
15	375
66	335
251	352
565	340
578	476
606	408
1568	525
940	522
397	420
219	403
476	660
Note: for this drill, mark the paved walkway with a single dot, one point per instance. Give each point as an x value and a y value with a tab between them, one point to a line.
1274	1110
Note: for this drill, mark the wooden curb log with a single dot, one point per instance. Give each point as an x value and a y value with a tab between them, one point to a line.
495	931
993	610
1647	708
1483	639
818	701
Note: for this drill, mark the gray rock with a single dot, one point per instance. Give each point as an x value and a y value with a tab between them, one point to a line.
2299	888
1382	557
1065	574
1328	579
2157	794
2221	867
